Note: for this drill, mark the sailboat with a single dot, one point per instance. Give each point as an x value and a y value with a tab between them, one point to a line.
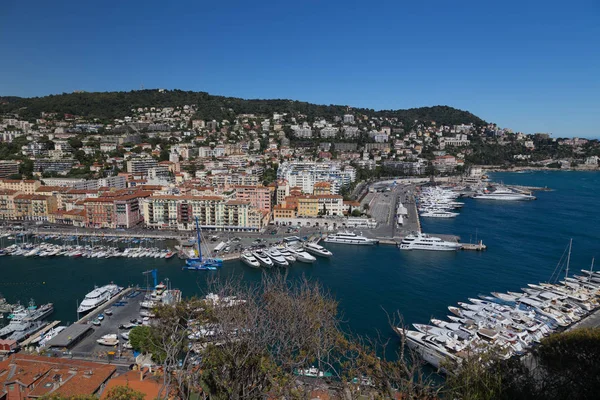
198	263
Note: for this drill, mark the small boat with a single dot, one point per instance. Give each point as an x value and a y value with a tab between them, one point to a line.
250	260
108	340
96	322
109	311
100	317
313	372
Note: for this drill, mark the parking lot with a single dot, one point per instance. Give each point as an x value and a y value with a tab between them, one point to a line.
122	314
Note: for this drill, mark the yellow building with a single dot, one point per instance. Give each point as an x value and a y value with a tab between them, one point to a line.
320	188
283	211
7	204
34	207
23	186
308	206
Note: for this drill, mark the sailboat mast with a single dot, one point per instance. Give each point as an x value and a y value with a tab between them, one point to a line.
591	270
198	233
569	258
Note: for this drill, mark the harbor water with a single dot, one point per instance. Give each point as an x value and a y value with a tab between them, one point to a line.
525	241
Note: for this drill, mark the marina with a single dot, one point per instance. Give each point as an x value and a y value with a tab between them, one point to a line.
365	279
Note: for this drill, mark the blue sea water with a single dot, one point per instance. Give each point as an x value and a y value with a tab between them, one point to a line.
525	242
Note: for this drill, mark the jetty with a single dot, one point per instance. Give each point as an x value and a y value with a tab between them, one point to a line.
39	333
474	246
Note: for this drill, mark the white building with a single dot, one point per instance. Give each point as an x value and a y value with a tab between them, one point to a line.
306	174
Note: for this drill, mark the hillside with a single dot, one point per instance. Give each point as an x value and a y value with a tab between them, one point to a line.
110	105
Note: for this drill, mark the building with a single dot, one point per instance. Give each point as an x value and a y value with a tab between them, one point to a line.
283	211
30	377
56	166
322	188
282	191
141	165
115	210
350	132
411	168
329	132
314	205
306	174
24	186
348	119
8	168
213	212
30	207
258	196
7	204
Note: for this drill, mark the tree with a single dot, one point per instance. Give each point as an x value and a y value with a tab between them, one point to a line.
564	366
124	393
356	212
249	340
75	143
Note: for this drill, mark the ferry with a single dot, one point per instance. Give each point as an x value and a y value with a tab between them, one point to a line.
350	238
98	296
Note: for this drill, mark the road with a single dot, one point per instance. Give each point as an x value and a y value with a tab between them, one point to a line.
382	207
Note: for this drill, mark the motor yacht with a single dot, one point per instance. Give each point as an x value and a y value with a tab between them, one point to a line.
436	213
263	258
317	250
350	238
419	241
504	194
277	258
302	255
250	260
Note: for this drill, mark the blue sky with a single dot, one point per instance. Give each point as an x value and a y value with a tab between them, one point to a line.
530	65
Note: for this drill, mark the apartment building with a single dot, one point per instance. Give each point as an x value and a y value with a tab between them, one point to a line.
258	196
30	207
306	174
24	186
314	205
213	212
115	210
7	205
8	168
141	165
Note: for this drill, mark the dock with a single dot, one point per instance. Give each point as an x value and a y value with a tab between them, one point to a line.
39	333
85	319
474	246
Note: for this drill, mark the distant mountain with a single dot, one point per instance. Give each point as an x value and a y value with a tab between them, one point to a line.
109	105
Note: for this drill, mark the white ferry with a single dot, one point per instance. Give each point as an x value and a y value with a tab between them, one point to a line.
504	194
98	296
350	238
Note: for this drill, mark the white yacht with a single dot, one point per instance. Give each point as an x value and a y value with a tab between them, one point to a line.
419	241
436	213
277	257
302	255
250	260
503	193
349	238
317	250
263	258
97	297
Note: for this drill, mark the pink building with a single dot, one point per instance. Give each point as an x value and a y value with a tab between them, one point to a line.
259	196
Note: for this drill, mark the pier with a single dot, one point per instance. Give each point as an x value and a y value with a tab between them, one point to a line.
474	246
39	333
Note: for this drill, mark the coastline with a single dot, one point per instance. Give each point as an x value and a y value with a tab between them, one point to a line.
495	168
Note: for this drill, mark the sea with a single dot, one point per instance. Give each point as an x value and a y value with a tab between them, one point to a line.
525	242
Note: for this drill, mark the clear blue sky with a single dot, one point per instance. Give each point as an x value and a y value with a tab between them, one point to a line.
533	66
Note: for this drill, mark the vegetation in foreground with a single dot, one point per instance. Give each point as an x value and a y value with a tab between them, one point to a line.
251	343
